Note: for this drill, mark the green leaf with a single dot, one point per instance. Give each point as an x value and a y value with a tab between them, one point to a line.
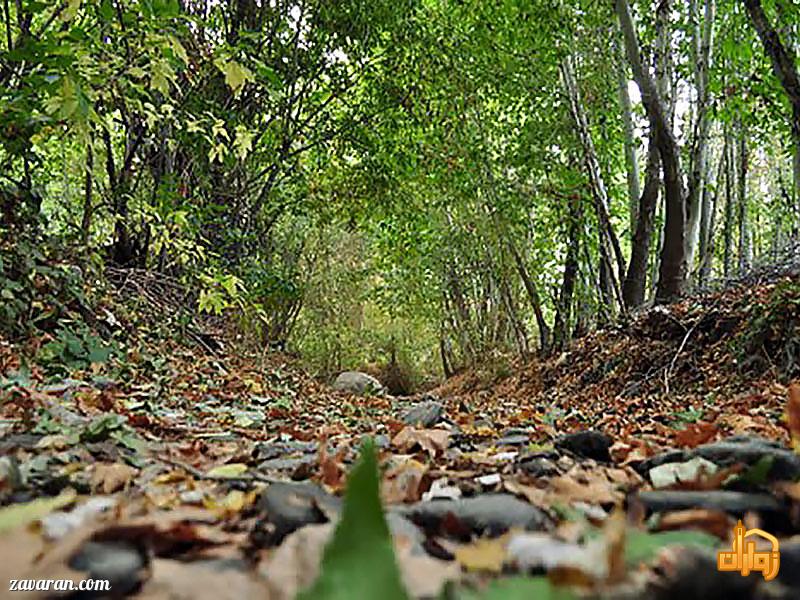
642	546
18	515
231	470
359	562
520	588
236	75
101	427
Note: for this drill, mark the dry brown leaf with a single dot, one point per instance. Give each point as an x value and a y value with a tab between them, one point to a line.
793	414
614	533
713	521
108	478
403	483
695	434
433	441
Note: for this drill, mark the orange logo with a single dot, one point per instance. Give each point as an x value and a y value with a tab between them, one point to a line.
745	558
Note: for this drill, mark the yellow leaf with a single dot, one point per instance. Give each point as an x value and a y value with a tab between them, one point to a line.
483	555
236	75
71	11
231	470
17	515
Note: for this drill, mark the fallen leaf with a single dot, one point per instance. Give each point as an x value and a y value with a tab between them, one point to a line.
433	441
229	471
403	482
695	434
487	555
111	477
22	514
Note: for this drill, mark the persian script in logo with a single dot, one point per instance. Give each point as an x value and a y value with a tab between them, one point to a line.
745	558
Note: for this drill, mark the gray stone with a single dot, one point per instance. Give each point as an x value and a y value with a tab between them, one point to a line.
425	414
726	501
736	449
288	506
122	563
492	513
356	382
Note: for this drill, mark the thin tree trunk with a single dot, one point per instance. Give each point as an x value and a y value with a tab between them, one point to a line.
611	251
564	308
533	296
631	154
86	221
730	168
702	44
708	224
672	270
635	286
784	65
744	241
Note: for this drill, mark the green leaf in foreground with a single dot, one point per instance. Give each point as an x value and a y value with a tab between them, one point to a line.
520	588
359	562
642	546
18	515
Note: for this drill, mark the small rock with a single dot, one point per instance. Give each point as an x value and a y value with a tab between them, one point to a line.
588	444
425	414
733	502
539	466
289	506
493	513
58	524
736	449
671	473
121	563
356	382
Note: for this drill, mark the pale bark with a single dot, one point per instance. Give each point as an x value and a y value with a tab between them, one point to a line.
631	153
610	250
702	38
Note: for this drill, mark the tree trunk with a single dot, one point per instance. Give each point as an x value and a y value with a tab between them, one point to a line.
631	154
702	44
784	66
86	221
744	242
611	251
672	270
635	286
533	296
561	326
730	168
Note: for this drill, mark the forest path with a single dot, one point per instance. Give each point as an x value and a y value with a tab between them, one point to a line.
188	465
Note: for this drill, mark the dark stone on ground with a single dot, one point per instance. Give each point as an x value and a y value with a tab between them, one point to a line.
514	437
694	576
122	563
736	449
288	506
491	513
733	502
266	451
426	414
539	466
588	444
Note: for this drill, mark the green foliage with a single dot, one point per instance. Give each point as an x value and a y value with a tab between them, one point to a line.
36	292
642	546
359	561
73	348
771	336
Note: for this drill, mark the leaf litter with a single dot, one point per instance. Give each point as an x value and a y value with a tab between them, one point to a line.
577	474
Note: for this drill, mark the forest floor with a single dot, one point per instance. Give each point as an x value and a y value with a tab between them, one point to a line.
615	469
